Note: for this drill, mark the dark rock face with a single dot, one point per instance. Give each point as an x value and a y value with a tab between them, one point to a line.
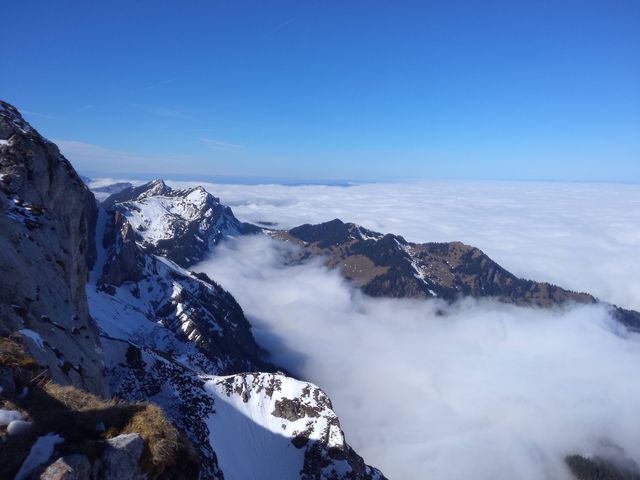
125	262
181	225
327	234
388	265
598	468
46	219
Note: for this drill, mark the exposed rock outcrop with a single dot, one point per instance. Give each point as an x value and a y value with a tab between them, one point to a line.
46	220
74	434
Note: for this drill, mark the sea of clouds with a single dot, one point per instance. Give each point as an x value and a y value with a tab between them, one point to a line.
485	391
584	237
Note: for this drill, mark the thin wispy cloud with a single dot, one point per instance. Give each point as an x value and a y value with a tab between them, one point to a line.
220	145
40	115
306	7
160	84
285	23
91	157
160	111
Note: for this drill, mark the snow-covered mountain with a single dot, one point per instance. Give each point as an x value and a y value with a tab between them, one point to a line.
181	225
100	298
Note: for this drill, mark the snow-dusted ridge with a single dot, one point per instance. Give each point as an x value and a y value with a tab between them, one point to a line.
269	425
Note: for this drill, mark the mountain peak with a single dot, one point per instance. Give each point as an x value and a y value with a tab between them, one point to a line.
154	187
183	225
12	122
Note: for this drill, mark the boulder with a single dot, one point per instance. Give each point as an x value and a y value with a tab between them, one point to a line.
71	467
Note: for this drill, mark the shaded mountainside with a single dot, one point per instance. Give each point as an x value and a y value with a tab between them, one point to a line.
598	468
96	298
151	301
389	266
52	367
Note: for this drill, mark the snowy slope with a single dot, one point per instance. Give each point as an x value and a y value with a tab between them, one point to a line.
270	426
152	302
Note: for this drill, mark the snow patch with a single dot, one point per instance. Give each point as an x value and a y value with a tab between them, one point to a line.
35	336
40	453
8	416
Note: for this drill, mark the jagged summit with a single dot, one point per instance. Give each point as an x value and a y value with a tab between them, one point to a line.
182	224
131	193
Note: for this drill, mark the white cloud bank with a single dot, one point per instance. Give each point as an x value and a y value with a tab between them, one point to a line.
488	392
585	237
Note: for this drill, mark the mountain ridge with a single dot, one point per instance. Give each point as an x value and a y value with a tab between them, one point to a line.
387	265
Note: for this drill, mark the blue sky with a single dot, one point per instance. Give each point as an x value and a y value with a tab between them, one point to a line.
344	89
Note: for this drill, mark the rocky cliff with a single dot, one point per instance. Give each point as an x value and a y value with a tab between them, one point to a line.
46	245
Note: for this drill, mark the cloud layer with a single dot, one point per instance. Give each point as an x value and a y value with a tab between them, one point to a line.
485	391
585	237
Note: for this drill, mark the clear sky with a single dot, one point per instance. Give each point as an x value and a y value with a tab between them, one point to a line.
332	89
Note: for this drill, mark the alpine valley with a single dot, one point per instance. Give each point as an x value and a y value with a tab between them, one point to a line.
117	361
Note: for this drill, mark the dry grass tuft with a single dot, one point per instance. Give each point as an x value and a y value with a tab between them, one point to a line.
75	399
13	355
160	436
